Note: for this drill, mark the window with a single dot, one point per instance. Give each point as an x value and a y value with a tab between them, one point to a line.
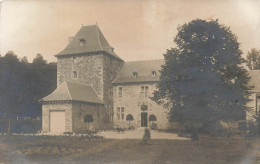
135	74
144	91
82	42
120	91
75	74
120	113
88	119
74	60
153	73
111	92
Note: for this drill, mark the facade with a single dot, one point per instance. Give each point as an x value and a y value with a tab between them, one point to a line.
133	88
90	77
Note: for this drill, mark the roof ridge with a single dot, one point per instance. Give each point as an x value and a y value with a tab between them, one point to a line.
143	60
68	90
99	37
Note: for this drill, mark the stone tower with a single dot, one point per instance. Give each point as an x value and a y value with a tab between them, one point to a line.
90	60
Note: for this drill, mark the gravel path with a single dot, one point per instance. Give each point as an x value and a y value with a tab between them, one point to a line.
138	134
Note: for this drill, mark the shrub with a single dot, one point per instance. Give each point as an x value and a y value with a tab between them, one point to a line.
194	135
147	136
131	128
153	126
253	129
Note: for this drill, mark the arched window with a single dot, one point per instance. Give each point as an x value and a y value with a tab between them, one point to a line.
152	118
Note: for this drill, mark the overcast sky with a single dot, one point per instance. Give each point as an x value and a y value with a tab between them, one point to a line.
138	30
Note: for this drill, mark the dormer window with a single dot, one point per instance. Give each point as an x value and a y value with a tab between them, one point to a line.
82	42
135	74
153	73
111	49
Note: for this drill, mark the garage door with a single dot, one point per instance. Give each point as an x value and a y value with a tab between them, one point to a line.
57	121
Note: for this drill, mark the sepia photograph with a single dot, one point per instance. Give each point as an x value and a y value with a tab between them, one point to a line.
129	82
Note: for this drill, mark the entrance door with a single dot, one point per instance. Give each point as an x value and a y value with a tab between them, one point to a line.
57	121
143	119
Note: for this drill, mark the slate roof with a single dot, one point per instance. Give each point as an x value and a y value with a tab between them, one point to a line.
255	79
144	71
75	92
94	42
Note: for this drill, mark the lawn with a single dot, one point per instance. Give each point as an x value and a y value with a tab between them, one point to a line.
47	149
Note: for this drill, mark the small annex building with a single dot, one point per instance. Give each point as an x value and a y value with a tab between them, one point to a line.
63	108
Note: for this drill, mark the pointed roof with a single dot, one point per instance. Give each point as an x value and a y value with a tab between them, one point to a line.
94	42
74	92
143	69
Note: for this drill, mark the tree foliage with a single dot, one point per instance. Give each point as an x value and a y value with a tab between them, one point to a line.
203	78
129	117
22	84
253	59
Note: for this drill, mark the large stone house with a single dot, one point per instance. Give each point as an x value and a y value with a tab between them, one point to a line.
97	89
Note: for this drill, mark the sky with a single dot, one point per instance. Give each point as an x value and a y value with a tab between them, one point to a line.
137	29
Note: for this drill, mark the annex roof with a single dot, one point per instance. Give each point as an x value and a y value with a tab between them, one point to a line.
143	69
75	92
94	41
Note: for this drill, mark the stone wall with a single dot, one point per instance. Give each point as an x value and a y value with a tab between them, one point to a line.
89	69
111	68
46	108
80	110
132	100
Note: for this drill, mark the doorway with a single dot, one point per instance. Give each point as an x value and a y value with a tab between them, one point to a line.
144	119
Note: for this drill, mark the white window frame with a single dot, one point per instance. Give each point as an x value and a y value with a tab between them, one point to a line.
120	92
120	113
144	91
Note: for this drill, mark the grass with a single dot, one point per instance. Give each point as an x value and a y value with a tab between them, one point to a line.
40	149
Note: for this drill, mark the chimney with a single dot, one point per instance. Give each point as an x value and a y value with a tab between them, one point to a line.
70	39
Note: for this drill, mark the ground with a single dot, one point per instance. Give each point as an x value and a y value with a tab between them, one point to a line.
62	149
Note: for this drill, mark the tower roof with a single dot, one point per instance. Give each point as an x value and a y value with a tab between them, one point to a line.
94	41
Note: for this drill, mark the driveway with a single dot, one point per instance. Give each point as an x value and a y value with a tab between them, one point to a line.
138	134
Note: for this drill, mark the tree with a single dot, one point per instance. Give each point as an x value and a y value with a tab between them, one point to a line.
22	84
38	60
253	59
129	118
152	118
203	78
24	60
